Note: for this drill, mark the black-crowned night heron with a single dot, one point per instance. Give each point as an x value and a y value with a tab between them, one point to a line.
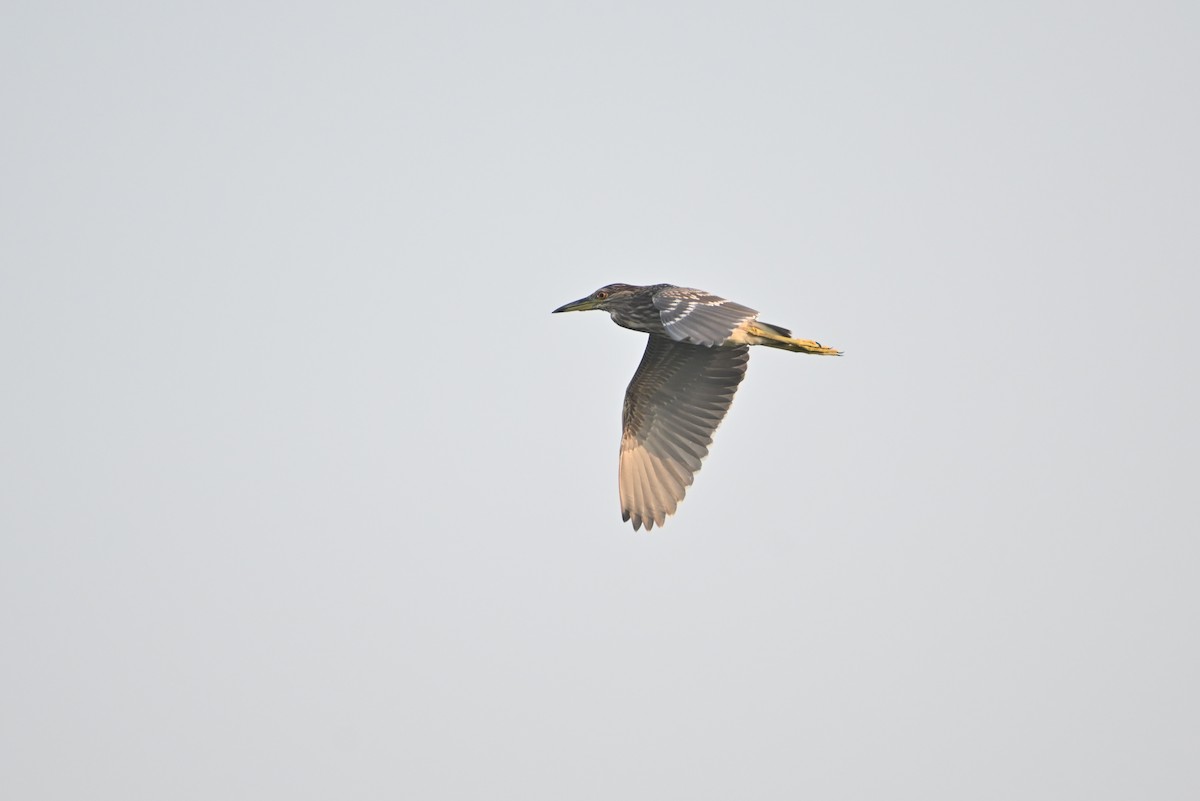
695	358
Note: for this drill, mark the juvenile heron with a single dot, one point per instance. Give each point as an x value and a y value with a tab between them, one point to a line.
695	358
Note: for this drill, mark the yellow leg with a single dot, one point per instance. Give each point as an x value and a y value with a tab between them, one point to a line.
758	335
809	346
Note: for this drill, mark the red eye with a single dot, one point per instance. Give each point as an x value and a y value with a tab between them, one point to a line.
601	295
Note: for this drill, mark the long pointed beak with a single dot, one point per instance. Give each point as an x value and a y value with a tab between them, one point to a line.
583	304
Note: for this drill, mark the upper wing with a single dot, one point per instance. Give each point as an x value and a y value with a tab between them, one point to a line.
692	315
676	400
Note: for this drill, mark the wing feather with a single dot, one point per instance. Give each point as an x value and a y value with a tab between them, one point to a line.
699	317
677	398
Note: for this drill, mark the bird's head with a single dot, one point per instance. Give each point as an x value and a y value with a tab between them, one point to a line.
602	298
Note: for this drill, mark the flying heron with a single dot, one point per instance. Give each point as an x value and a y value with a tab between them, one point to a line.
695	358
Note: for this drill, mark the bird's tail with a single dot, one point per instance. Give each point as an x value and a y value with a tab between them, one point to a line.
775	337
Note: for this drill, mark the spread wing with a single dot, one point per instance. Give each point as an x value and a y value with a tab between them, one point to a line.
677	398
692	315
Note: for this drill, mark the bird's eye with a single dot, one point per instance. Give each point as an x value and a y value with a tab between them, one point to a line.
600	295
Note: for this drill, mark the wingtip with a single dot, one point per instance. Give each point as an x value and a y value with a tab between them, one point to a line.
638	520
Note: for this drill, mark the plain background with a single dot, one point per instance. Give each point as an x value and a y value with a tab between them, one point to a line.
305	494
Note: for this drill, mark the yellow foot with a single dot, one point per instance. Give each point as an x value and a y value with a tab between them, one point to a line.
809	346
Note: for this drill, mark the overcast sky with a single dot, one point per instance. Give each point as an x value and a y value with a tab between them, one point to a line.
305	494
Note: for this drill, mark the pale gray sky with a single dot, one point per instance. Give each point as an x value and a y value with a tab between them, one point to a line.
304	493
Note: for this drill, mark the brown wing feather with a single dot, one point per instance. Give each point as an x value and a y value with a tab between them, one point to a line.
677	398
699	317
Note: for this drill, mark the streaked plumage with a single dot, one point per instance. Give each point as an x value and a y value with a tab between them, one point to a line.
695	357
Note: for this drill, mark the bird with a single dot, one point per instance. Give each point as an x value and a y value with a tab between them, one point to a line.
695	358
